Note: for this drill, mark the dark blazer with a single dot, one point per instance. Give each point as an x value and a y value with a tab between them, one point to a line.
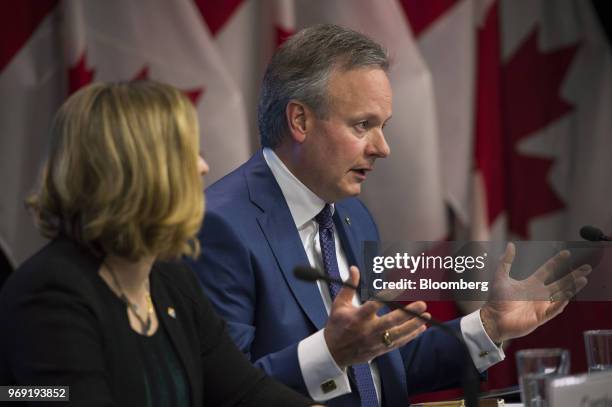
60	324
251	246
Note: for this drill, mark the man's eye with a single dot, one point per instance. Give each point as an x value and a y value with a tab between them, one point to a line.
363	125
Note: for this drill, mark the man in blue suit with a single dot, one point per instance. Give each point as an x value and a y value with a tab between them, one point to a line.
324	103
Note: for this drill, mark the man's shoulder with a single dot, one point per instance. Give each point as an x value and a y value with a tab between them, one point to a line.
231	184
232	190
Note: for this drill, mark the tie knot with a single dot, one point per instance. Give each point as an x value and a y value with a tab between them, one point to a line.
324	218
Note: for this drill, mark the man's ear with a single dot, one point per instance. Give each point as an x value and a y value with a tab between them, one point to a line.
297	115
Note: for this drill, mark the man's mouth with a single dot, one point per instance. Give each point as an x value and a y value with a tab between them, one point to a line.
361	172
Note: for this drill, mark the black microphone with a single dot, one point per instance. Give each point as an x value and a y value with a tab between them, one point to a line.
313	275
593	234
471	382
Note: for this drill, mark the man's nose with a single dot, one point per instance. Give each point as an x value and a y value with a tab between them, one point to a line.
378	145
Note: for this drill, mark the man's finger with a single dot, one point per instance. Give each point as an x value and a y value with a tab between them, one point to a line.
546	270
389	294
345	295
569	292
408	331
368	309
354	276
507	258
398	316
569	282
418	306
407	327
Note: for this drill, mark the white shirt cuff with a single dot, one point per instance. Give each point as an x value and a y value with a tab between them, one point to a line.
324	379
483	351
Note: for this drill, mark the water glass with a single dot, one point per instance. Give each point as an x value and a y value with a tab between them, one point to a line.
598	346
535	366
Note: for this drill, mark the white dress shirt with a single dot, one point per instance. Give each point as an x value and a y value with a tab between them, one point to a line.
316	363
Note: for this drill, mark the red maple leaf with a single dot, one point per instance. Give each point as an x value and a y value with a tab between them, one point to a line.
17	24
531	80
488	135
193	94
217	13
79	75
142	75
282	34
421	14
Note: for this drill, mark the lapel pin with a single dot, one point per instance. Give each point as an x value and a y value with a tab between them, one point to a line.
348	220
172	312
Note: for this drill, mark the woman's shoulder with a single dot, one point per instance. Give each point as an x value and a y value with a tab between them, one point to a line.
61	265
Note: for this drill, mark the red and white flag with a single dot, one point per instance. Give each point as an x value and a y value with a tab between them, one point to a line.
523	94
72	43
556	136
533	117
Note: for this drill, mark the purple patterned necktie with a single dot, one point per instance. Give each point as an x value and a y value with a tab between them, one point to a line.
361	372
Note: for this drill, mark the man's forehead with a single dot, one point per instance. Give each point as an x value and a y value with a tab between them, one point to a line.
364	88
339	73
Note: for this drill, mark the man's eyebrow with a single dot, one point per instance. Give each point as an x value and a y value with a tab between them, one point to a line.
369	117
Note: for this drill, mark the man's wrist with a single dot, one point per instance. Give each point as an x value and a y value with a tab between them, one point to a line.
333	353
323	378
490	325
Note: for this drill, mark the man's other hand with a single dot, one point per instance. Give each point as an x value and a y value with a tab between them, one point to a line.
355	334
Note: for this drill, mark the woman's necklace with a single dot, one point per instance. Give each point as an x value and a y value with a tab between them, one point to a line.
144	324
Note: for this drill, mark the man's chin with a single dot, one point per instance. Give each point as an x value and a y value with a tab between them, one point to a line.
351	191
343	190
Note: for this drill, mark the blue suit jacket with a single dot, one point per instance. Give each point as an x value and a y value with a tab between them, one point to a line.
250	246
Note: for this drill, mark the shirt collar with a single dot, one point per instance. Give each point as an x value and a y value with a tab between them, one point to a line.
303	204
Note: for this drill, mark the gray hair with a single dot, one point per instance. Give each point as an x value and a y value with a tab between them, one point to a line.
300	69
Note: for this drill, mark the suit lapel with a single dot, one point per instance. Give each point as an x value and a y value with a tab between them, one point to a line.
350	242
353	247
286	244
282	236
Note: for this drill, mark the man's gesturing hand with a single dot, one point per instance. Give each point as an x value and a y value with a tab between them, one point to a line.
355	334
505	316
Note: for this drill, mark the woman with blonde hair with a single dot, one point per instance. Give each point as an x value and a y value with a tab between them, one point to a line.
103	308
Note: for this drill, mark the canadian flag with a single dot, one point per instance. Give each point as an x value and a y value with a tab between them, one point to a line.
523	95
57	47
546	169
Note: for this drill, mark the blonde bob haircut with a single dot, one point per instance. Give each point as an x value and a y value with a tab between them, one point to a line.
122	173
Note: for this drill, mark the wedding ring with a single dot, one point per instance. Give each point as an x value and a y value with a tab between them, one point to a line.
386	339
551	299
